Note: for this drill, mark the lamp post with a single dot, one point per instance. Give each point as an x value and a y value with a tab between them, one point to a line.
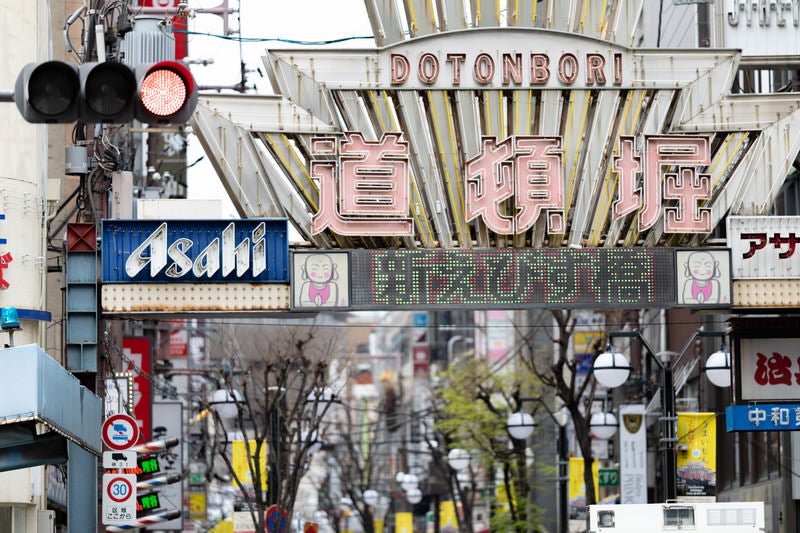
612	369
453	340
520	425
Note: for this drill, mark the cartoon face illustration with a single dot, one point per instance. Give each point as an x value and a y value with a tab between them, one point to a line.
701	266
319	268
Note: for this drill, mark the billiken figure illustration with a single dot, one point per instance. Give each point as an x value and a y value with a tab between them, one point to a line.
320	286
702	283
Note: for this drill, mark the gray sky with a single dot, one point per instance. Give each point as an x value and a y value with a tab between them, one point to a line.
297	21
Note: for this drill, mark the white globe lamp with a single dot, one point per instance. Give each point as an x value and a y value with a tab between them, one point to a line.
611	369
718	368
520	425
603	425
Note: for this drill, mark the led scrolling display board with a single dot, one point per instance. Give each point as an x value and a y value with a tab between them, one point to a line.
511	278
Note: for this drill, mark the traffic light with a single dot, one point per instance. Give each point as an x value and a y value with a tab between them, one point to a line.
107	92
167	93
48	92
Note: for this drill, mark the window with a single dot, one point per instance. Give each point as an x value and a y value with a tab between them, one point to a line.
605	518
732	517
678	516
12	519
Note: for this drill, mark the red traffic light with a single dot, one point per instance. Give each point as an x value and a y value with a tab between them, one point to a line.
106	93
167	92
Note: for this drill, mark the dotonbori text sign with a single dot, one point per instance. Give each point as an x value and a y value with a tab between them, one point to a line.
247	250
513	278
364	185
547	61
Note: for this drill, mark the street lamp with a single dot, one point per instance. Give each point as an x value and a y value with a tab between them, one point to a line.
603	425
520	426
226	403
718	368
459	459
612	369
453	340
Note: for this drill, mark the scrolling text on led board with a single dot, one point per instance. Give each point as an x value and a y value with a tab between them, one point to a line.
513	278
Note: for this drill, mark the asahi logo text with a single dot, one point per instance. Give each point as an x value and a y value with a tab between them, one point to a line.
221	253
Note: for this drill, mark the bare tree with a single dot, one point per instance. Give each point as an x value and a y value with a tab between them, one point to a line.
559	372
275	379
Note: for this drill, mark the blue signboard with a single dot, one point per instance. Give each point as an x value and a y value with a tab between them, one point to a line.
763	417
195	251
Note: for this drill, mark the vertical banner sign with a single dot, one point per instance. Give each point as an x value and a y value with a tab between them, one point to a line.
697	455
241	464
137	361
422	357
178	338
404	523
500	335
448	523
577	487
633	454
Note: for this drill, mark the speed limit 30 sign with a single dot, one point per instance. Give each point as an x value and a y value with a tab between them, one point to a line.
119	499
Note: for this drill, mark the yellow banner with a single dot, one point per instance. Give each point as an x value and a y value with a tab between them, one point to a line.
577	487
403	523
197	505
447	516
697	453
226	526
241	463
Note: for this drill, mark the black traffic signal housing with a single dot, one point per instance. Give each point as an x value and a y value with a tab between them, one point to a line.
48	92
108	92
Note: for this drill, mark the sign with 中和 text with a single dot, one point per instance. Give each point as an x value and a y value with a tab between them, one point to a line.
764	247
763	417
768	369
512	278
246	250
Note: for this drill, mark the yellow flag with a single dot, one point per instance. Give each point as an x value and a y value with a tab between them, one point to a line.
241	463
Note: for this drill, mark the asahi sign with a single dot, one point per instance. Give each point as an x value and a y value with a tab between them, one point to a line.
249	250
